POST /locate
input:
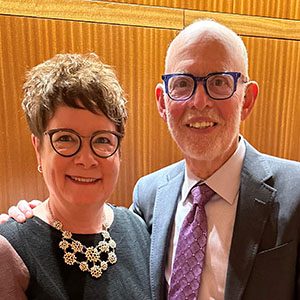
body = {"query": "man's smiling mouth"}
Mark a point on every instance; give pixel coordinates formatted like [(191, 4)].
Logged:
[(201, 125)]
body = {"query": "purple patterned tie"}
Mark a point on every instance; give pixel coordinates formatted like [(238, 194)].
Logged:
[(190, 251)]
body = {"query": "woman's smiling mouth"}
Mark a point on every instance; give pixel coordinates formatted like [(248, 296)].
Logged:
[(83, 179)]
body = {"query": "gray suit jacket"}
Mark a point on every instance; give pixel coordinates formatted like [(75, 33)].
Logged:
[(264, 260)]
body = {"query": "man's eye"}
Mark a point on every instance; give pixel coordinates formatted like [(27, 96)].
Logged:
[(181, 83), (220, 81)]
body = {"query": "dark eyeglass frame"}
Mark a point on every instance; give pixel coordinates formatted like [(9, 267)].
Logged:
[(51, 132), (234, 75)]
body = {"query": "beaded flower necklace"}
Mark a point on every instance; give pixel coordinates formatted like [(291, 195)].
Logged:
[(96, 259)]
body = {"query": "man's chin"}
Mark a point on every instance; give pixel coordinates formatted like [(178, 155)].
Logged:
[(207, 151)]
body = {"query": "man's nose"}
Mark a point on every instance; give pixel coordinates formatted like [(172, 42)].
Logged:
[(200, 100)]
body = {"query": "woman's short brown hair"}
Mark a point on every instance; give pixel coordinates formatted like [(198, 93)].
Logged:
[(67, 78)]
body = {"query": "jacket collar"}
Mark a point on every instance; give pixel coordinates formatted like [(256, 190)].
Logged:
[(254, 206), (163, 218)]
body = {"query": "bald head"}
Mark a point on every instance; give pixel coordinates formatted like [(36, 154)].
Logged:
[(203, 35)]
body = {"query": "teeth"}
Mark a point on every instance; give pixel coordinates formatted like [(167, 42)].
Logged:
[(80, 179), (201, 125)]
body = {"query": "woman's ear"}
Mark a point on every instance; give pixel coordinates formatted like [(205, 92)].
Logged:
[(36, 146), (250, 97), (160, 100)]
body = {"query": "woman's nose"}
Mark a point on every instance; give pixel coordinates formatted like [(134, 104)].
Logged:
[(86, 156)]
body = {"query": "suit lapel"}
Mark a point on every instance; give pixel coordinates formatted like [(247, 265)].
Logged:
[(163, 217), (254, 206)]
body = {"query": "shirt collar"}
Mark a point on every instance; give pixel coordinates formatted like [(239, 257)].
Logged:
[(225, 181)]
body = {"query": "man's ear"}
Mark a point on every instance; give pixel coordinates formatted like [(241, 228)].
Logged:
[(160, 101), (36, 146), (250, 97)]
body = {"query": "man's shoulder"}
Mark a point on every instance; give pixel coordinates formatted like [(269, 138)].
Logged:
[(273, 162), (281, 167), (169, 171), (265, 166), (153, 181), (281, 161)]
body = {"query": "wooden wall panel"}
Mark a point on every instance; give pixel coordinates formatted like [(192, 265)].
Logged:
[(285, 9), (148, 12), (211, 5), (138, 56), (274, 125), (250, 25), (96, 11)]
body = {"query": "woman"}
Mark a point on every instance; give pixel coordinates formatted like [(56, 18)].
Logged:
[(76, 246)]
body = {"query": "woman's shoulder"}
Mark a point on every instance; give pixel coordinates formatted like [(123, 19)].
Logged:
[(16, 232), (10, 228), (125, 220), (126, 215)]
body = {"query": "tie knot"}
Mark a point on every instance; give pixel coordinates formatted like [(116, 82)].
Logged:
[(201, 194)]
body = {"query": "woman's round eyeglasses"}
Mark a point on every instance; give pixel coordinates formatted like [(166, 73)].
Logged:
[(67, 142)]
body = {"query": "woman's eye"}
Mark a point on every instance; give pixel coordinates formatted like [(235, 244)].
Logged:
[(102, 140), (65, 138)]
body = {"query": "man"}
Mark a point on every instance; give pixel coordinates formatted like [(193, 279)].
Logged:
[(253, 217)]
